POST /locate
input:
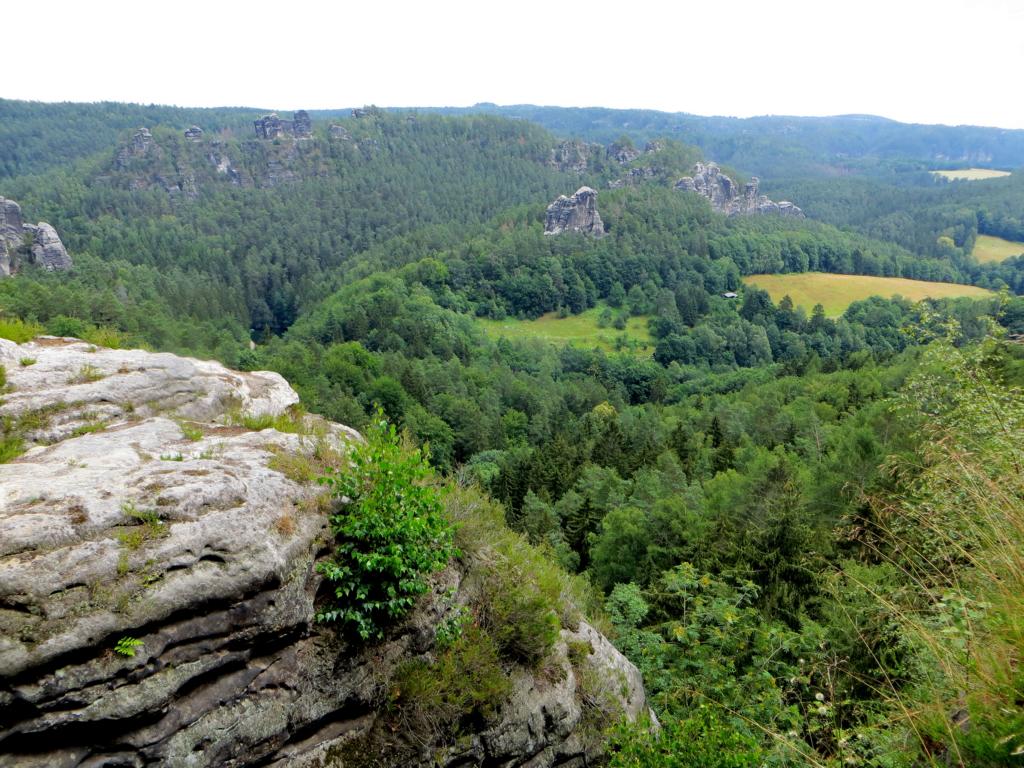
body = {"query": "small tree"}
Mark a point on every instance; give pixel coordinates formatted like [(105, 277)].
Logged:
[(391, 534)]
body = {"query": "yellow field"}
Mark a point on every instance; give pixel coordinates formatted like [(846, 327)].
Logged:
[(580, 330), (837, 292), (992, 250), (972, 174)]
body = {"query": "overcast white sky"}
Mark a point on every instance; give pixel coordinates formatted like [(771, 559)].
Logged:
[(933, 61)]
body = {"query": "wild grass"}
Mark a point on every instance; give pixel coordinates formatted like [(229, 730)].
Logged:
[(837, 292), (19, 331)]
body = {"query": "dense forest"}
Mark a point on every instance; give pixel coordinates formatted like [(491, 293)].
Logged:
[(805, 529)]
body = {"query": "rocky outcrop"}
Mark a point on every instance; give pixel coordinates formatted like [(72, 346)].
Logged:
[(709, 181), (194, 133), (20, 243), (573, 156), (272, 127), (623, 152), (339, 132), (574, 214), (152, 506), (139, 146)]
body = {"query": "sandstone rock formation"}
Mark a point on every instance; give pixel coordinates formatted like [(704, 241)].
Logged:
[(271, 126), (195, 133), (32, 243), (574, 156), (143, 509), (574, 214), (623, 153), (339, 132), (709, 181), (140, 145)]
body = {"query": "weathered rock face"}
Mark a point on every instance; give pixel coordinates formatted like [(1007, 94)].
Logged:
[(623, 153), (340, 132), (140, 512), (194, 133), (574, 214), (33, 243), (709, 181), (271, 126), (574, 156), (140, 145)]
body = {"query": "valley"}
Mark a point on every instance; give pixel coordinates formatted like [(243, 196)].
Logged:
[(487, 436)]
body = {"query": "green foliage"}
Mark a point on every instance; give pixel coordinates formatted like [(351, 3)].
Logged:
[(126, 646), (18, 330), (463, 684), (390, 536), (705, 739)]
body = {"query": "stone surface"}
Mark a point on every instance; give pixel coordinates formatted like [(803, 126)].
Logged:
[(32, 243), (709, 181), (194, 133), (623, 153), (139, 511), (271, 126), (574, 214)]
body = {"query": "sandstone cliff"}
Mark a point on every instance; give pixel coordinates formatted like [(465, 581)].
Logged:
[(709, 181), (574, 214), (155, 503), (32, 243)]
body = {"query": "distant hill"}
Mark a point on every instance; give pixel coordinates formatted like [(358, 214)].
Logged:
[(776, 146)]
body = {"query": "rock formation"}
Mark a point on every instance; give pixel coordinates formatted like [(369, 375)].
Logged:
[(195, 133), (144, 511), (339, 132), (272, 127), (709, 181), (574, 214), (139, 146), (573, 155), (36, 244), (623, 153)]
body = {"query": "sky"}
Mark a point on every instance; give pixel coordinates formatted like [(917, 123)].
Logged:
[(926, 61)]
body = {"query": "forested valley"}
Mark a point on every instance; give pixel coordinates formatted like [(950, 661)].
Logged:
[(805, 528)]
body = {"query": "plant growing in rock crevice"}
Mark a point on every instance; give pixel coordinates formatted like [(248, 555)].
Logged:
[(390, 537)]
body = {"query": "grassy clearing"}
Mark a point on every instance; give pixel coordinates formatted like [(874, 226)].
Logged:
[(971, 174), (992, 250), (581, 330), (837, 292)]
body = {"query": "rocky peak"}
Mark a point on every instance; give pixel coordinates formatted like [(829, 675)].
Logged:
[(152, 506), (574, 214), (194, 133), (709, 181), (37, 244), (623, 152), (573, 156), (137, 147)]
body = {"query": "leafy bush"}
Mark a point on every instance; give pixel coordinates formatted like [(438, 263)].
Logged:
[(465, 681), (704, 739), (390, 536)]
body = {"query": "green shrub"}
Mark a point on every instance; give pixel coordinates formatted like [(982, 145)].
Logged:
[(703, 739), (465, 682), (18, 330), (390, 536)]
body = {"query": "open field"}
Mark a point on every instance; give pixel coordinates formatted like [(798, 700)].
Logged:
[(581, 330), (992, 250), (971, 174), (837, 292)]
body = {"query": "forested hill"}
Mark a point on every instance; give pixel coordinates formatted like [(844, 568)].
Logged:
[(779, 146), (789, 513)]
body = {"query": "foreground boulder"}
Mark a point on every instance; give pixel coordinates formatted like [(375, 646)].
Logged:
[(721, 191), (158, 542), (21, 243), (574, 214)]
